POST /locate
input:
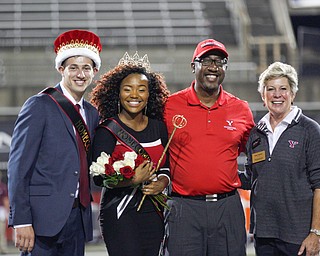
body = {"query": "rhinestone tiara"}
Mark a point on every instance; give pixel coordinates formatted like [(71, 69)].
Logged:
[(135, 60)]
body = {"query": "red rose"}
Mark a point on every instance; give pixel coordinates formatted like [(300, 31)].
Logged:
[(109, 171), (139, 160), (127, 172), (116, 156)]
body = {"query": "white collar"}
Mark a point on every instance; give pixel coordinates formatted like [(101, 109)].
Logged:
[(68, 95), (286, 121)]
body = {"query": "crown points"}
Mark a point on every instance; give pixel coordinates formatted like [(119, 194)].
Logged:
[(135, 60)]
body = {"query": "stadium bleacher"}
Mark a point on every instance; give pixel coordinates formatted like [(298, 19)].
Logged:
[(168, 30)]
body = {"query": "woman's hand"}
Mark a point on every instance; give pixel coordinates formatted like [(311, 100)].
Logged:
[(143, 173), (156, 185)]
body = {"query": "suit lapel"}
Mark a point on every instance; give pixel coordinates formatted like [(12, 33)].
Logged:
[(89, 118), (67, 120)]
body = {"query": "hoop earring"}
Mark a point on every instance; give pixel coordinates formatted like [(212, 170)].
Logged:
[(145, 110), (119, 107)]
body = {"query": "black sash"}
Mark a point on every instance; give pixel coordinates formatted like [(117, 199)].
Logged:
[(69, 109), (125, 138), (129, 141)]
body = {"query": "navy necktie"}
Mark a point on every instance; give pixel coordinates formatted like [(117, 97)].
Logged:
[(84, 191)]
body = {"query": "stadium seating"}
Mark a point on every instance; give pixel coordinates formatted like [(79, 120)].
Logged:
[(167, 30)]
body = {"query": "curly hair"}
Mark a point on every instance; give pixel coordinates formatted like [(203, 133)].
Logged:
[(105, 96)]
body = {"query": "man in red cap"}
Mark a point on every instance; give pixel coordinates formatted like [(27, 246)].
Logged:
[(207, 216), (48, 178)]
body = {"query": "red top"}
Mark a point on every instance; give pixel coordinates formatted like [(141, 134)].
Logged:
[(203, 154)]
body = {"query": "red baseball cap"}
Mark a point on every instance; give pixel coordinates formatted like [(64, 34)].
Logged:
[(209, 45), (77, 42)]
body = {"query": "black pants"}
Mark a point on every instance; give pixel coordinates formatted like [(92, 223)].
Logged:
[(275, 247)]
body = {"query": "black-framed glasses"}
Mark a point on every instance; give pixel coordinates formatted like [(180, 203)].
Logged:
[(220, 63)]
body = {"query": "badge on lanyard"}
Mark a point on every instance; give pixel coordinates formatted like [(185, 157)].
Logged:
[(258, 156)]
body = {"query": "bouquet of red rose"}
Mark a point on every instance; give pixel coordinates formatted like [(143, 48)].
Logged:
[(116, 168)]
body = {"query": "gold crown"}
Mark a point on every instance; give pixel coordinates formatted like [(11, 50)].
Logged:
[(78, 44), (136, 60)]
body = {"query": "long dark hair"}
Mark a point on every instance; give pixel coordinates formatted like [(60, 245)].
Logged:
[(105, 96)]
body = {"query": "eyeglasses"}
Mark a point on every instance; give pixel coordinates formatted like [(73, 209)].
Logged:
[(220, 63)]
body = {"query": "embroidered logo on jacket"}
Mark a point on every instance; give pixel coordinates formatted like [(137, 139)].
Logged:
[(229, 126), (292, 143)]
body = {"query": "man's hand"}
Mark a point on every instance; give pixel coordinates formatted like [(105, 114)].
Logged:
[(24, 238), (311, 245)]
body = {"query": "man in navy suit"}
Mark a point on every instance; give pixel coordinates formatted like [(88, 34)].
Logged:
[(44, 166)]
